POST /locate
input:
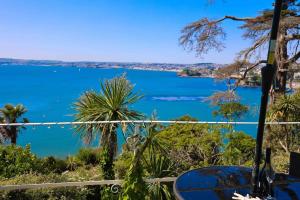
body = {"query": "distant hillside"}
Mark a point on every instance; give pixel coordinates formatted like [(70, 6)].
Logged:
[(92, 64)]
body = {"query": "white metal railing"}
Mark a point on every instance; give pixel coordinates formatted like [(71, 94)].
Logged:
[(143, 121)]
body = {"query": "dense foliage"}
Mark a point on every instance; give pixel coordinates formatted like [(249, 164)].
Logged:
[(152, 153), (89, 156), (231, 110), (191, 146), (15, 160), (76, 193), (19, 166), (284, 139), (239, 150)]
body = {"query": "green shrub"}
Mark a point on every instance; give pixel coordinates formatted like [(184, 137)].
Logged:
[(15, 160), (122, 164), (88, 156), (91, 192), (72, 163), (52, 194), (85, 174), (51, 164), (280, 162)]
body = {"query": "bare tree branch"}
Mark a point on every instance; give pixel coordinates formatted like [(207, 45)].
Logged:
[(294, 58), (238, 18), (292, 37), (248, 68), (259, 43), (223, 96), (204, 35), (252, 67)]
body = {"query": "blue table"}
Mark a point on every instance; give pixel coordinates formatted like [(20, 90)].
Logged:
[(220, 182)]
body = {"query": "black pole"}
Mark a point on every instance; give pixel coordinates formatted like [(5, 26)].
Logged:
[(267, 73)]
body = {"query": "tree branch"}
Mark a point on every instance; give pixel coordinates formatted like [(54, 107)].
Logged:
[(200, 22), (253, 66), (294, 58), (283, 146), (246, 72), (260, 42), (238, 18), (205, 35), (292, 37)]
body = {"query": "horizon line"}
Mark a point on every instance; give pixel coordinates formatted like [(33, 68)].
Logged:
[(91, 61)]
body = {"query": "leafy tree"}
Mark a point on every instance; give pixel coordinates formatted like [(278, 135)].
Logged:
[(239, 150), (12, 114), (231, 110), (206, 34), (110, 104), (192, 145)]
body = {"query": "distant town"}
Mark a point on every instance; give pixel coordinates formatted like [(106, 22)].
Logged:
[(205, 67), (183, 70)]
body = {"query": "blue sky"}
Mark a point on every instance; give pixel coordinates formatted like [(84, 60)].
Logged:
[(115, 30)]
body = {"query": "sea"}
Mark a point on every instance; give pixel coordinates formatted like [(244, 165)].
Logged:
[(49, 93)]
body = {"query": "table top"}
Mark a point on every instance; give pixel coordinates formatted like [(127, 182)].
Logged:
[(220, 182)]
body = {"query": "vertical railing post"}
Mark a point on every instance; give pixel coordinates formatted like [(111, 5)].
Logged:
[(267, 73)]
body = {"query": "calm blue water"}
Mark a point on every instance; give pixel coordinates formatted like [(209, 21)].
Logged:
[(49, 92)]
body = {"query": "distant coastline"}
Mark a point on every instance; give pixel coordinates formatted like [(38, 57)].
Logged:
[(196, 70), (168, 67)]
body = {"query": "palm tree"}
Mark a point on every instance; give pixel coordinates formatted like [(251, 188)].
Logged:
[(11, 114), (110, 104)]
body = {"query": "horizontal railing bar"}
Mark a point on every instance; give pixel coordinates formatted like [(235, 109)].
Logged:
[(141, 121), (79, 184)]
